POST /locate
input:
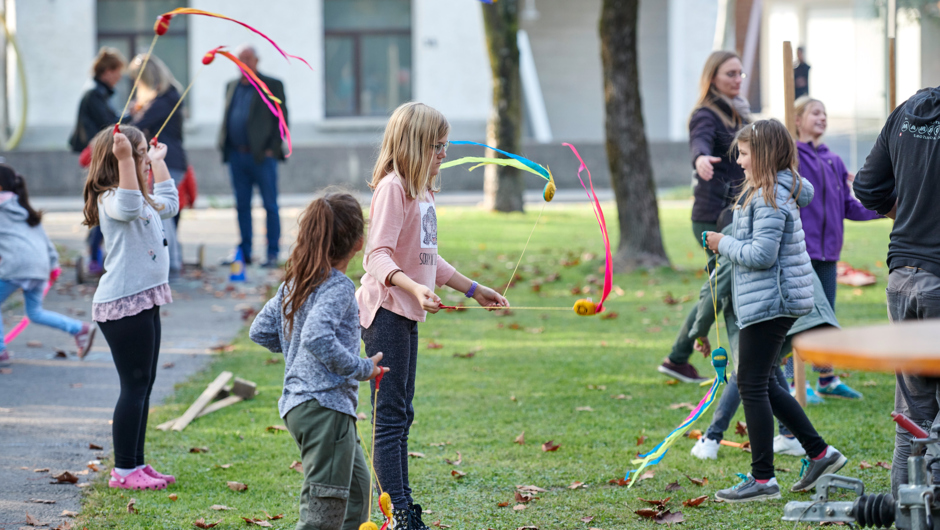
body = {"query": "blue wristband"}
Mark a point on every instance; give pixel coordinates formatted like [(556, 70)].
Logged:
[(472, 289)]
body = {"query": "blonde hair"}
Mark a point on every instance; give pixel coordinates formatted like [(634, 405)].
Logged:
[(772, 150), (709, 95), (408, 148), (156, 76), (802, 104), (108, 58), (103, 171)]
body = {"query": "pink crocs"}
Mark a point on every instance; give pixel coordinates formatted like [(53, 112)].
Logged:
[(138, 480), (169, 479)]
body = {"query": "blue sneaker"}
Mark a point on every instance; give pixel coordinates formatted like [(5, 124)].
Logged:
[(812, 398), (838, 389)]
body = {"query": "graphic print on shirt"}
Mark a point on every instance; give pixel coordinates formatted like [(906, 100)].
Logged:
[(428, 225), (930, 131), (152, 255)]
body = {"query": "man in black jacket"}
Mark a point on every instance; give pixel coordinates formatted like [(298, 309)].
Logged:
[(899, 180), (94, 114), (250, 141)]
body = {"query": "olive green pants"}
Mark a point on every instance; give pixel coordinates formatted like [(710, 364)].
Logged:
[(335, 494)]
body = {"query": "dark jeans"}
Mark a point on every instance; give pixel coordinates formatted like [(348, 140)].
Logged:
[(246, 174), (336, 476), (913, 294), (729, 403), (397, 337), (764, 399), (135, 347), (826, 270)]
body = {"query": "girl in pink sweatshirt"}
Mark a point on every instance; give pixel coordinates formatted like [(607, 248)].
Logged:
[(403, 268)]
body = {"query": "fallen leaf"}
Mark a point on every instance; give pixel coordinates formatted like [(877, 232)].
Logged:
[(519, 507), (512, 398), (273, 517), (41, 501), (864, 465), (576, 484), (550, 446), (257, 522), (225, 466), (647, 512), (64, 526), (609, 315), (669, 518), (746, 447), (168, 365), (783, 469), (694, 434), (66, 478), (514, 325), (468, 355), (584, 409), (272, 360), (619, 482), (696, 501), (621, 396), (886, 465), (33, 344), (439, 524), (223, 348), (520, 439), (92, 466), (740, 429), (201, 523), (435, 345), (68, 513), (41, 470), (236, 486), (439, 444), (587, 519), (527, 528), (661, 503), (641, 439), (172, 497), (669, 299), (198, 449), (523, 498), (220, 507), (671, 382), (361, 416), (130, 506), (673, 486), (457, 473), (454, 462), (276, 428), (685, 405), (502, 504), (698, 481), (60, 354), (95, 447), (82, 473), (530, 489), (32, 521), (414, 454)]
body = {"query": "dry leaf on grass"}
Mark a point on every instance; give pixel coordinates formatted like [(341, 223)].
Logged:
[(502, 504), (220, 507), (696, 501), (530, 489), (273, 517), (520, 439), (439, 524), (783, 469), (886, 465), (550, 446), (172, 497), (414, 454), (296, 466), (201, 523), (130, 506), (576, 484), (683, 405), (519, 507), (646, 475), (740, 429), (453, 462), (620, 396), (647, 512), (661, 503), (435, 345), (698, 481), (584, 409), (272, 360), (523, 498), (65, 478), (362, 416), (671, 382), (276, 428), (68, 513), (587, 519), (457, 473), (224, 466), (32, 521), (673, 486), (95, 447), (64, 526), (237, 486), (668, 517), (257, 522), (619, 482), (864, 465), (92, 466), (641, 439), (198, 449)]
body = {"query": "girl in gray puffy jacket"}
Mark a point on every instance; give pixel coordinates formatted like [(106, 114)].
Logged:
[(771, 286)]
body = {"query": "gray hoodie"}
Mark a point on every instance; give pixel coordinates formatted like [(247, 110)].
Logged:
[(25, 251), (321, 354)]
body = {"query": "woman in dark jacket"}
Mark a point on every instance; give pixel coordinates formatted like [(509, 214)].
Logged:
[(157, 94), (719, 114)]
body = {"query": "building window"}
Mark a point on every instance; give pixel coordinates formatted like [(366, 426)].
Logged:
[(128, 26), (367, 46)]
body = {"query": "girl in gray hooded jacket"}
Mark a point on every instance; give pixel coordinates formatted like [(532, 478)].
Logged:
[(771, 286)]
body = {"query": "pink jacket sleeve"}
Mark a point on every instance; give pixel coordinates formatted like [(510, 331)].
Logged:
[(444, 271), (385, 222)]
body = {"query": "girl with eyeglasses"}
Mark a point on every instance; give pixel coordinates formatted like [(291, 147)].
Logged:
[(402, 269)]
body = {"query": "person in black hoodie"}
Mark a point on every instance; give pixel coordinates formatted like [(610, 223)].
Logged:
[(720, 113), (157, 94), (899, 180), (94, 114)]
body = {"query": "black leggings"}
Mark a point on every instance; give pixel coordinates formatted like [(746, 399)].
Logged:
[(758, 347), (135, 347)]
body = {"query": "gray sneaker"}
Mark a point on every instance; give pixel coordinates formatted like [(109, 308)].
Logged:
[(814, 469), (750, 490)]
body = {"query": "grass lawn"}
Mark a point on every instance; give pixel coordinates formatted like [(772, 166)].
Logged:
[(532, 371)]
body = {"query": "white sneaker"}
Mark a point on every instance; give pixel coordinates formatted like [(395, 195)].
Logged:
[(788, 446), (706, 448)]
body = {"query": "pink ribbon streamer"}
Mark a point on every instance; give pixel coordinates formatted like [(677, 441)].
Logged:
[(25, 322)]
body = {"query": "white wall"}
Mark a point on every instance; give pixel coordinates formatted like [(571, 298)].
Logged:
[(57, 40), (691, 35)]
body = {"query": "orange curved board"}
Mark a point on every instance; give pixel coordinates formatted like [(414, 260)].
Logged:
[(910, 347)]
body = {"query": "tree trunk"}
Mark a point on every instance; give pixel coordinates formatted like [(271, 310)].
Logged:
[(631, 174), (503, 186)]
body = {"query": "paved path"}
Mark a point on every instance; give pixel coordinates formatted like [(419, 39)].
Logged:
[(52, 408)]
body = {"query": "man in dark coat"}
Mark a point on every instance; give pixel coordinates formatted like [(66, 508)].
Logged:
[(250, 142), (94, 114)]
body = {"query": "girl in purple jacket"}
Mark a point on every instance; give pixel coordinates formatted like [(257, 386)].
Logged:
[(823, 218)]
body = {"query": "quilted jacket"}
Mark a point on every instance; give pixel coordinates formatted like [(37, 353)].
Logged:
[(773, 276)]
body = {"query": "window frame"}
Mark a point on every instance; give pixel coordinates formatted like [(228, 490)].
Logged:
[(357, 36)]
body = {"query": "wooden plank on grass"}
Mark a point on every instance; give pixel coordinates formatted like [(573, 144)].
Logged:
[(210, 408), (207, 395)]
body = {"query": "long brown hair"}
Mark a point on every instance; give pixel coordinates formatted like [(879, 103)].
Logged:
[(708, 95), (10, 180), (772, 150), (103, 170), (330, 227), (408, 148)]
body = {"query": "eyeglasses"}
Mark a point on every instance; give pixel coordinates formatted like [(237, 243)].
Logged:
[(440, 148), (734, 74)]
